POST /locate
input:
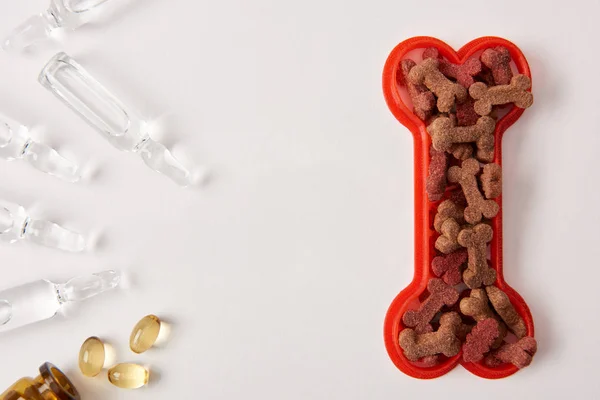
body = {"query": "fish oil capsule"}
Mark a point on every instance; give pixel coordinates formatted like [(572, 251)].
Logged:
[(128, 376), (92, 356), (144, 334)]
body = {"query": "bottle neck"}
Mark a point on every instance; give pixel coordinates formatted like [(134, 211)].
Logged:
[(51, 384), (54, 385), (35, 29)]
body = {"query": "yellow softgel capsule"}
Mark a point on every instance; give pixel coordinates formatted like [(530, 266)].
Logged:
[(91, 356), (144, 334), (128, 376)]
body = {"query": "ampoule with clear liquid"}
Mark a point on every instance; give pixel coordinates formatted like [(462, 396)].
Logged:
[(69, 14), (121, 126), (16, 224), (43, 299), (16, 144)]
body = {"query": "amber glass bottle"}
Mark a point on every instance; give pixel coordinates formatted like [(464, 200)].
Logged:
[(51, 384)]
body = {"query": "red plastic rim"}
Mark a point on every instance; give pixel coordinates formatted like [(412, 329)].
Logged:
[(424, 209)]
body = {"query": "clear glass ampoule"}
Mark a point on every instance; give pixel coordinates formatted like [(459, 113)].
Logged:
[(68, 14), (121, 126), (15, 143), (40, 300), (16, 224)]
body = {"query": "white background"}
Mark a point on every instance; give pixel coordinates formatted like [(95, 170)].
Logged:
[(278, 274)]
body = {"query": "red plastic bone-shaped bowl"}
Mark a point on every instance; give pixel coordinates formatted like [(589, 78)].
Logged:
[(425, 210)]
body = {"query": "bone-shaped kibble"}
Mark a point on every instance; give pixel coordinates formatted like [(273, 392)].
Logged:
[(440, 295), (480, 340), (460, 151), (519, 354), (478, 206), (498, 61), (447, 242), (448, 267), (491, 180), (435, 186), (515, 92), (475, 240), (447, 209), (443, 341), (423, 100), (444, 134), (506, 311), (463, 73), (476, 306), (427, 73)]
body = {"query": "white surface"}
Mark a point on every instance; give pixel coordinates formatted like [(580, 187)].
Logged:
[(278, 274)]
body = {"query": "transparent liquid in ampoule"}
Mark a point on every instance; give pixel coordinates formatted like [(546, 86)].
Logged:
[(87, 97), (29, 303), (42, 299), (122, 127)]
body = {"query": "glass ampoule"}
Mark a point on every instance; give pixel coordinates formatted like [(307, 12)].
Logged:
[(69, 14), (43, 299), (16, 224), (16, 144), (50, 384), (122, 127)]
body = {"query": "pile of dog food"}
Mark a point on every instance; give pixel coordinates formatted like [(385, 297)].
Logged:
[(460, 105)]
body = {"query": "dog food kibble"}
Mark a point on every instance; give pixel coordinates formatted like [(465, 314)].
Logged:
[(91, 357), (506, 311), (447, 242), (478, 207), (491, 180), (459, 105), (128, 376), (447, 92), (449, 267), (475, 240), (423, 100), (519, 354), (480, 340), (447, 209), (440, 295), (477, 307), (498, 62), (443, 341), (463, 73), (444, 133), (144, 334), (436, 180), (514, 92)]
